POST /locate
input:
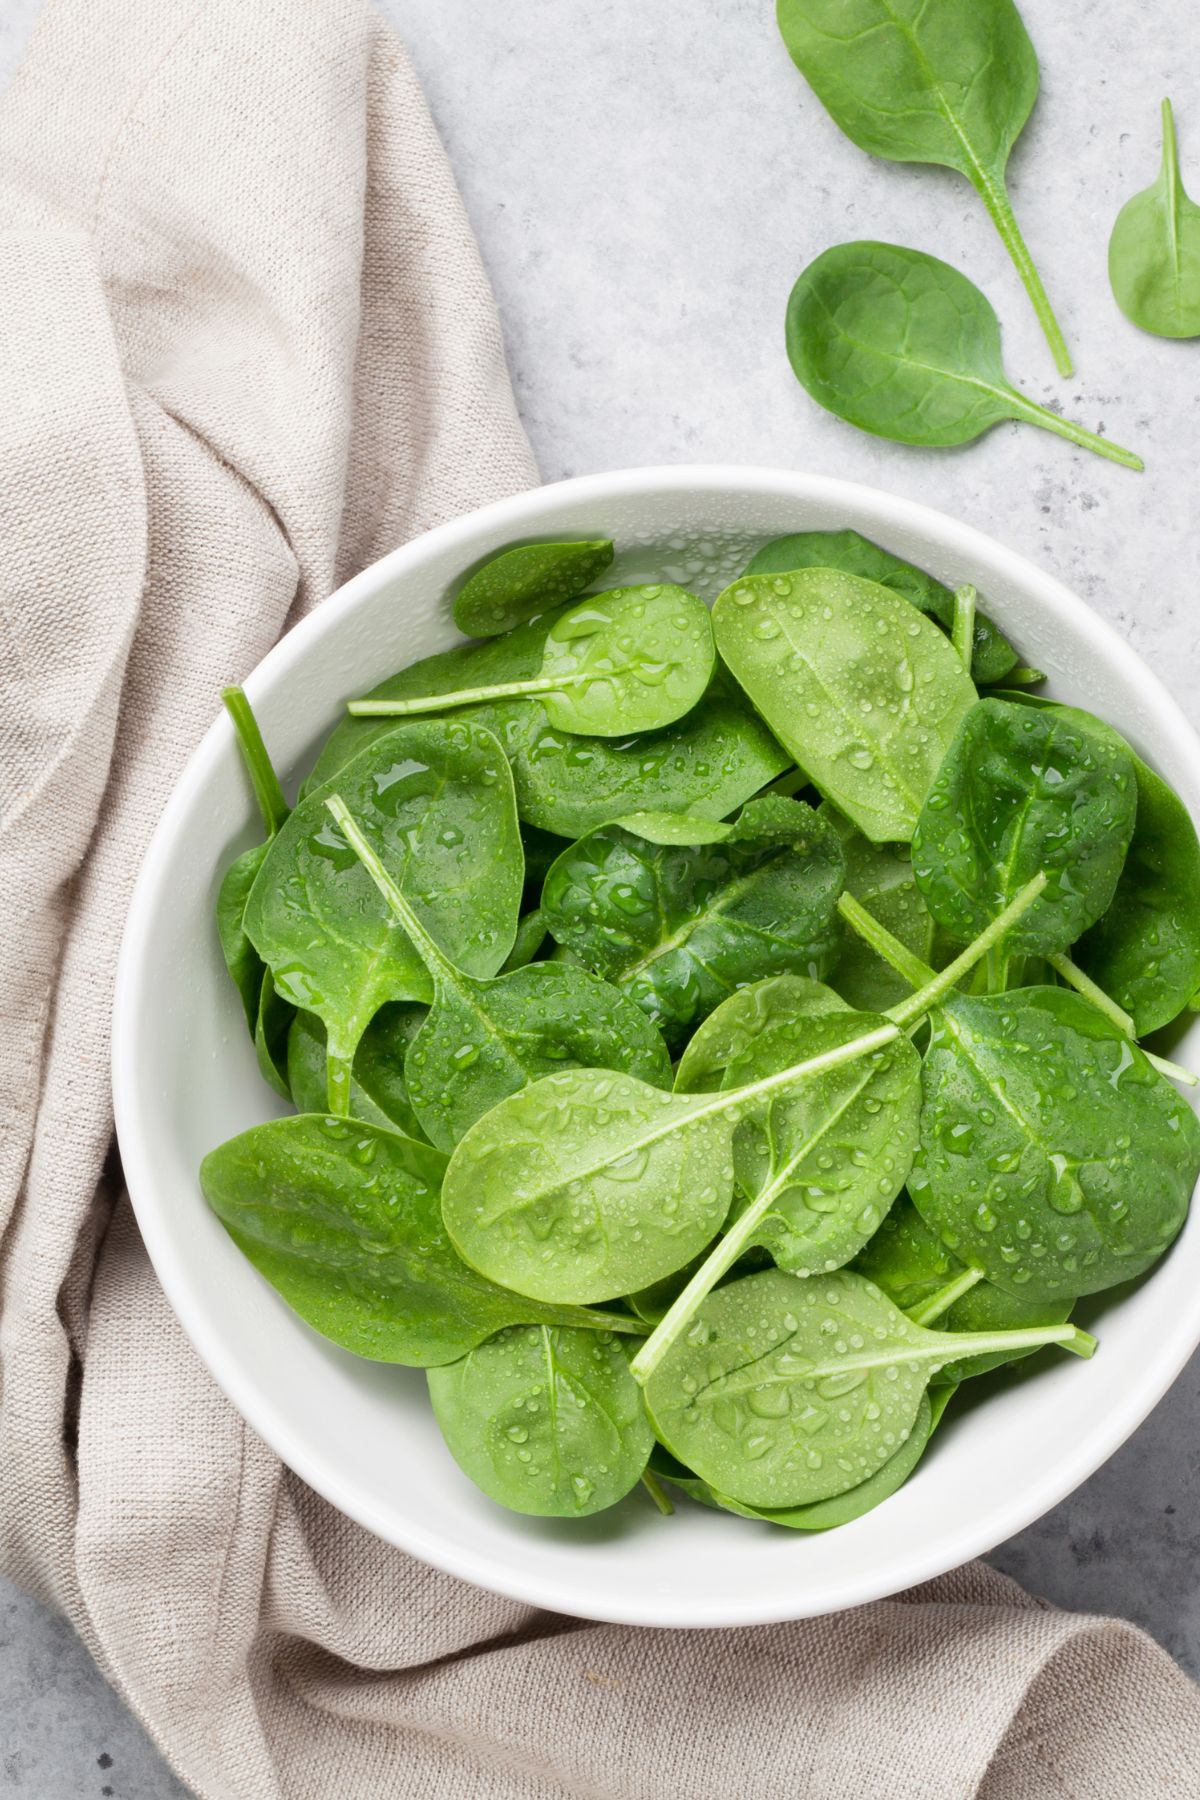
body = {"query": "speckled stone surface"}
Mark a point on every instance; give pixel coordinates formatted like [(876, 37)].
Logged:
[(646, 182)]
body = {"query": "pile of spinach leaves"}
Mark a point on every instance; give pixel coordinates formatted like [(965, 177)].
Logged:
[(703, 1070)]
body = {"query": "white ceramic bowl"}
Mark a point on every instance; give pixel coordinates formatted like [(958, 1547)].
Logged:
[(363, 1434)]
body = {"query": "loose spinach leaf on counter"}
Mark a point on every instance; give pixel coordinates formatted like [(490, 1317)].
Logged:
[(378, 1094), (1052, 1156), (436, 802), (525, 580), (632, 659), (1021, 789), (992, 656), (1154, 251), (546, 1420), (901, 345), (930, 81), (862, 689), (342, 1218), (483, 1040), (678, 924), (708, 763), (753, 1398)]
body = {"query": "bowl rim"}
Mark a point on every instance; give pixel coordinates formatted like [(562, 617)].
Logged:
[(529, 508)]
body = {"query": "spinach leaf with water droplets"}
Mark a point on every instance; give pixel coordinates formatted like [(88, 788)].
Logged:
[(525, 580), (632, 659), (436, 802), (743, 1018), (342, 1218), (992, 656), (862, 689), (678, 925), (930, 81), (789, 1392), (546, 1420), (880, 877), (483, 1040), (1052, 1156), (1024, 789), (901, 345), (378, 1094), (1154, 251)]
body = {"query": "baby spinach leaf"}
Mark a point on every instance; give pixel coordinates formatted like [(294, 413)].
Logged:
[(992, 656), (271, 1028), (1052, 1156), (863, 690), (588, 1185), (930, 81), (1154, 251), (378, 1094), (1022, 789), (531, 935), (242, 960), (1145, 950), (743, 1018), (817, 1167), (903, 346), (525, 580), (632, 659), (483, 1040), (678, 924), (436, 802), (342, 1218), (910, 1263), (788, 1392), (545, 1419), (708, 763)]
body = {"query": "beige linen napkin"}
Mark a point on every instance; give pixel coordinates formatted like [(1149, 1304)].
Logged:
[(246, 348)]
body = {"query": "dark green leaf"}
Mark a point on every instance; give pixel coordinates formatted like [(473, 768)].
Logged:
[(378, 1094)]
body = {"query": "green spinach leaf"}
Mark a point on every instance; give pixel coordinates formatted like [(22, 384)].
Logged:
[(245, 966), (880, 877), (1021, 789), (1154, 251), (525, 580), (1052, 1156), (992, 656), (378, 1094), (788, 1392), (546, 1420), (342, 1218), (436, 802), (862, 689), (678, 925), (632, 659), (743, 1018), (901, 345), (483, 1040), (930, 81)]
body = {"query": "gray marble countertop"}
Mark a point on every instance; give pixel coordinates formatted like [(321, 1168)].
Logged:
[(646, 182)]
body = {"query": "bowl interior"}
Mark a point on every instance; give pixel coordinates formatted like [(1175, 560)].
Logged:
[(363, 1434)]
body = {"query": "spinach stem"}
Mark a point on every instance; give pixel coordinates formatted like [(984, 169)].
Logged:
[(430, 953), (1104, 1003), (338, 1070), (944, 1299), (929, 996), (502, 690), (997, 970), (963, 634), (905, 962), (1022, 677), (995, 198), (657, 1493), (267, 791), (1083, 984), (1075, 434)]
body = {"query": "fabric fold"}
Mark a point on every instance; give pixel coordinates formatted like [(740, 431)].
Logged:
[(249, 347)]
